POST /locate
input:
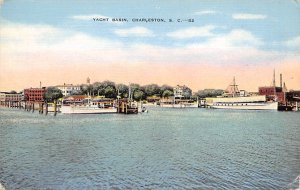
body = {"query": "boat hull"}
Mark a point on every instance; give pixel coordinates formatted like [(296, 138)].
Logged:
[(86, 110), (248, 106), (179, 105)]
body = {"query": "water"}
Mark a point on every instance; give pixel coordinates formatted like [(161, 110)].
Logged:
[(162, 149)]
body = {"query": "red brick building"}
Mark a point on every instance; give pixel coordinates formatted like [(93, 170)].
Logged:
[(273, 93), (34, 94)]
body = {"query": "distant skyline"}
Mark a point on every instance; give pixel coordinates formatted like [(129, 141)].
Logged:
[(59, 42)]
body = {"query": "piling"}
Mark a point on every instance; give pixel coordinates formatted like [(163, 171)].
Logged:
[(55, 109), (42, 108), (46, 108)]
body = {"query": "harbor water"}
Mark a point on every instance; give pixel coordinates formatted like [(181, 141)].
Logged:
[(162, 149)]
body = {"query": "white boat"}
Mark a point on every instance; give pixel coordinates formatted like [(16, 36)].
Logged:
[(86, 109), (232, 99), (91, 107), (242, 103), (180, 105)]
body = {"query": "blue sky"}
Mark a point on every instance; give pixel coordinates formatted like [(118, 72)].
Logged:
[(279, 21), (245, 35)]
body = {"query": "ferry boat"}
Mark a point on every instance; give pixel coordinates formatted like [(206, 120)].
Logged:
[(233, 99), (92, 107)]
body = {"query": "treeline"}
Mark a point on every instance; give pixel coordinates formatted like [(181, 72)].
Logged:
[(209, 93), (110, 89)]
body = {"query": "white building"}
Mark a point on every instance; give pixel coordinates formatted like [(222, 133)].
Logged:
[(9, 97), (178, 91), (182, 92), (68, 89)]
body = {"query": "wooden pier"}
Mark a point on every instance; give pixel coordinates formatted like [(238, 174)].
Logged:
[(30, 106), (127, 107)]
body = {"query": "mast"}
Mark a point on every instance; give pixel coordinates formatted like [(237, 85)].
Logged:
[(234, 86), (129, 92)]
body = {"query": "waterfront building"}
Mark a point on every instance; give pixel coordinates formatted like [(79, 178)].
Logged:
[(10, 97), (34, 94), (181, 92), (273, 93), (68, 89), (2, 96)]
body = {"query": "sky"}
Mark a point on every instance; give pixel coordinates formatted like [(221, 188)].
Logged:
[(207, 43)]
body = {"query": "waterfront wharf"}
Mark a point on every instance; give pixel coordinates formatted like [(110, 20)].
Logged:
[(126, 106), (31, 106)]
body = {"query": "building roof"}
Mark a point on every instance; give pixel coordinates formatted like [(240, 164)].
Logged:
[(75, 97), (66, 85)]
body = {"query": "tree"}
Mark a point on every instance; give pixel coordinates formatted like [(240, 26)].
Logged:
[(167, 93), (123, 90), (106, 88), (138, 95), (187, 92), (52, 93), (110, 92), (13, 92), (152, 89), (86, 89), (209, 93), (77, 92)]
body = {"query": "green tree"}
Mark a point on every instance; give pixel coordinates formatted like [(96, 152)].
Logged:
[(167, 93), (52, 93), (86, 89), (152, 89), (123, 90), (138, 95), (77, 92), (209, 93), (187, 92), (110, 92), (166, 87), (106, 88)]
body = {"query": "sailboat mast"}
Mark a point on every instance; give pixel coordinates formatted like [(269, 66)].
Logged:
[(234, 87), (129, 92)]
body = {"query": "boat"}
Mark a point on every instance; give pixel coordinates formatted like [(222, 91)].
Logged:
[(92, 107), (234, 99), (179, 104)]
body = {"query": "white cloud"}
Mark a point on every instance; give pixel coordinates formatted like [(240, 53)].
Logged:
[(25, 32), (293, 43), (54, 47), (135, 31), (192, 32), (238, 38), (246, 16), (206, 12)]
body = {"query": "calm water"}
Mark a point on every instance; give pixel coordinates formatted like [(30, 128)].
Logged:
[(163, 149)]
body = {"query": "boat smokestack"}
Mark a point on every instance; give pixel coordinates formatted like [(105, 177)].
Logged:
[(280, 80), (274, 82)]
